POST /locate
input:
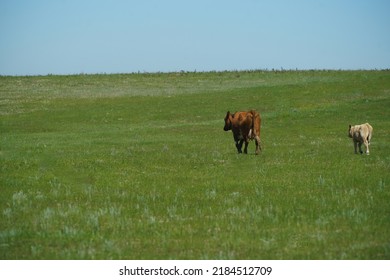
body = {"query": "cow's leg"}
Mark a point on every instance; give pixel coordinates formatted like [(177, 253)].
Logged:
[(246, 146), (241, 142), (239, 146), (237, 141)]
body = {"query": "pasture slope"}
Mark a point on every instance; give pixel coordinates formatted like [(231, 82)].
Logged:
[(138, 166)]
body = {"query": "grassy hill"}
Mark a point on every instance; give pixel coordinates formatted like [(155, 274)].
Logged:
[(138, 166)]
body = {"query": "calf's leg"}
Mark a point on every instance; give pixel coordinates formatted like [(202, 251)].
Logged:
[(355, 146), (366, 143), (360, 148)]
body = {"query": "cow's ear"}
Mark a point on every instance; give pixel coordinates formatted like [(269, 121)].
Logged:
[(350, 126)]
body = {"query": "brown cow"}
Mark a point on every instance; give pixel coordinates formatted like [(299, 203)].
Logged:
[(245, 126)]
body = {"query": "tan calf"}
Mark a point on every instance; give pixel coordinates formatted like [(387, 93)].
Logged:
[(361, 134)]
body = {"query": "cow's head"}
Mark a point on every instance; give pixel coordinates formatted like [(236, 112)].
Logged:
[(228, 121)]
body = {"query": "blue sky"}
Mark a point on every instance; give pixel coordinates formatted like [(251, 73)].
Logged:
[(90, 36)]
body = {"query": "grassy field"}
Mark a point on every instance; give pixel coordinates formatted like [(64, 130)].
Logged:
[(138, 166)]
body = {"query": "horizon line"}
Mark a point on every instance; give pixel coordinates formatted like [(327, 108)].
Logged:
[(276, 70)]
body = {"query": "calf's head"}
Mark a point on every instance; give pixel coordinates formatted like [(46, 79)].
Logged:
[(350, 131)]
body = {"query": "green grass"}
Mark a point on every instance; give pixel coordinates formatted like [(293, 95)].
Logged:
[(138, 167)]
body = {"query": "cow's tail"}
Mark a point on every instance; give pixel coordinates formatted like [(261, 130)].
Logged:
[(254, 132), (256, 124)]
